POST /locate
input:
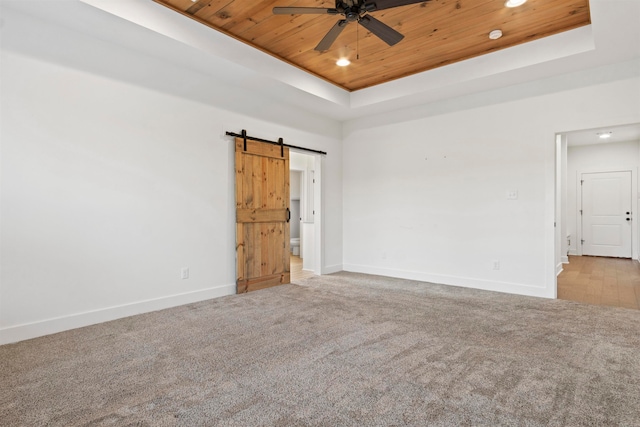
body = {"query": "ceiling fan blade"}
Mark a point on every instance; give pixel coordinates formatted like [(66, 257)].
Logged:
[(385, 32), (331, 36), (304, 11), (372, 5)]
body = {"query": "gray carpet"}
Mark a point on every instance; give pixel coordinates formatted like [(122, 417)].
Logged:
[(340, 350)]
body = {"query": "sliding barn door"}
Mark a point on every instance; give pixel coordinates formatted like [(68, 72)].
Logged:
[(262, 215)]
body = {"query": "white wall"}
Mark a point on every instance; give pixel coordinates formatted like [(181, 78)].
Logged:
[(597, 158), (109, 189), (294, 184), (295, 195), (427, 199)]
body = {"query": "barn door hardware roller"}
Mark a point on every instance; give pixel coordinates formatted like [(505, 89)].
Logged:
[(280, 142)]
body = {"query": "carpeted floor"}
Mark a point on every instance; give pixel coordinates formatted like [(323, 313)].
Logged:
[(340, 350)]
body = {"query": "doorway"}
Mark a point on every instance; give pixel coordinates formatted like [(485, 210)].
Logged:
[(305, 183), (596, 197)]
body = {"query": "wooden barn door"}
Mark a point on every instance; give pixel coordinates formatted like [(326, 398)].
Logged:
[(262, 215)]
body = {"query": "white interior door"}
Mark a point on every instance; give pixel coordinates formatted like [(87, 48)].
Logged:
[(606, 214)]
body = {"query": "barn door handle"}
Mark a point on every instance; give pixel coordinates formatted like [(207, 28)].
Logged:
[(288, 215)]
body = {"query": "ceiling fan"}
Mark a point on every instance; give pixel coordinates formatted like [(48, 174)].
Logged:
[(353, 10)]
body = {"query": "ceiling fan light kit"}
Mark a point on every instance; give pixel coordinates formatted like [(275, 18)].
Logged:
[(353, 11)]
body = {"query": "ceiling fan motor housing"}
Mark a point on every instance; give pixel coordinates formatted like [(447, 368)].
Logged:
[(353, 11)]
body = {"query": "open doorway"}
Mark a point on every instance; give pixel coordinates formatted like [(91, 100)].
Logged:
[(305, 191), (596, 216)]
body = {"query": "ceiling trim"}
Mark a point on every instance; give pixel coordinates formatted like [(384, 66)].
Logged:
[(228, 34), (158, 18), (568, 43), (613, 37)]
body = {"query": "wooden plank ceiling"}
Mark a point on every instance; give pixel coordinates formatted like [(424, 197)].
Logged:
[(437, 33)]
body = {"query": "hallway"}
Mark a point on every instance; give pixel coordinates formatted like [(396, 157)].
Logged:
[(601, 281)]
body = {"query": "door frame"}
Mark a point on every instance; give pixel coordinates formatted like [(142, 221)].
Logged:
[(559, 209), (634, 207)]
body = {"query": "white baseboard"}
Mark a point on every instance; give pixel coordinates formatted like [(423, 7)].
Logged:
[(465, 282), (564, 260), (51, 326), (329, 269), (558, 269), (574, 253)]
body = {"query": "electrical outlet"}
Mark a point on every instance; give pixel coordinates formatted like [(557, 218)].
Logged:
[(384, 255), (496, 265), (184, 273), (512, 194)]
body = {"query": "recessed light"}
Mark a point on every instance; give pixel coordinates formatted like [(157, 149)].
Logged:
[(495, 34), (515, 3), (605, 135), (343, 62)]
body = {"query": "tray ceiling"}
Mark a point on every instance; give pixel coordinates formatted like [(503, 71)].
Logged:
[(437, 33)]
